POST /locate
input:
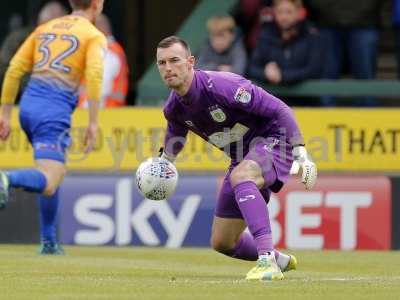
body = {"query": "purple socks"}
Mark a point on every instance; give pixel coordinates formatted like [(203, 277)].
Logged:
[(254, 210), (246, 249)]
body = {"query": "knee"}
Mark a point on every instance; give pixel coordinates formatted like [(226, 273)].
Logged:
[(221, 245), (50, 190), (53, 181), (247, 170), (51, 187)]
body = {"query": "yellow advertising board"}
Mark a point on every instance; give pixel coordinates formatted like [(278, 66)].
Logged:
[(352, 139), (338, 140)]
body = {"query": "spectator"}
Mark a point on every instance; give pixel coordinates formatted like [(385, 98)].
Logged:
[(224, 50), (15, 22), (116, 72), (51, 11), (15, 38), (289, 49), (348, 27), (396, 23), (250, 15)]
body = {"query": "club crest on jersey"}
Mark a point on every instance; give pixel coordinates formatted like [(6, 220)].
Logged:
[(242, 95), (217, 114)]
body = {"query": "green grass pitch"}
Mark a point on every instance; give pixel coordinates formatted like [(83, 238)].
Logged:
[(162, 274)]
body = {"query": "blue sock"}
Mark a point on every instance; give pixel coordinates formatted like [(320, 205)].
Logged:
[(48, 217), (30, 180)]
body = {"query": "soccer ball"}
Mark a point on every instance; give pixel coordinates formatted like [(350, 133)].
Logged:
[(156, 178)]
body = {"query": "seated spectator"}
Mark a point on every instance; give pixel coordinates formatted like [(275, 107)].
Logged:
[(348, 27), (289, 49), (350, 32), (396, 23), (116, 73), (249, 16), (224, 50)]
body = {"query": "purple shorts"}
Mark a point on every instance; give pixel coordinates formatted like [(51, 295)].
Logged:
[(275, 159)]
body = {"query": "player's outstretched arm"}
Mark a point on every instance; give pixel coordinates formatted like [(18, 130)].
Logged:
[(91, 130), (20, 64), (5, 118), (94, 80), (307, 166)]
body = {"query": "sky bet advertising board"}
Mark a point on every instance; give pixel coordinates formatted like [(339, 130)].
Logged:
[(340, 213)]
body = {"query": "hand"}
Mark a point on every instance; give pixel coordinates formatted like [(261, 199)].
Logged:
[(4, 128), (308, 168), (163, 155), (90, 137), (225, 68), (273, 73)]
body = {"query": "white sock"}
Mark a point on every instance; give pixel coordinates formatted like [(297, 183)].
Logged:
[(283, 260)]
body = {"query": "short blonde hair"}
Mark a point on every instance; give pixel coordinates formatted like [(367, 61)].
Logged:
[(297, 3), (218, 24)]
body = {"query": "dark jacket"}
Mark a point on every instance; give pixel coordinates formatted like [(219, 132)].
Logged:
[(396, 12), (345, 13), (235, 56), (299, 58)]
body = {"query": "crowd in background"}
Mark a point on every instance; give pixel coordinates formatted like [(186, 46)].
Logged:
[(289, 41), (279, 42)]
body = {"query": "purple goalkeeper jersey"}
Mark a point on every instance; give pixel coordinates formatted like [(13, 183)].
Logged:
[(229, 112)]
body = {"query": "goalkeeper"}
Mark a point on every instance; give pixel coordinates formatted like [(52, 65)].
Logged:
[(257, 130)]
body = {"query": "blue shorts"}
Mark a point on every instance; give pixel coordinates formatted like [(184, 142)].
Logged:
[(49, 138), (45, 116), (46, 123), (275, 159)]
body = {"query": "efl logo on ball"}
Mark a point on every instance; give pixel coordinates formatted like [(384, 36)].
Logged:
[(156, 178)]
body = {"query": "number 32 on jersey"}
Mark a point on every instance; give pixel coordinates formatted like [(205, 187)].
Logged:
[(55, 60)]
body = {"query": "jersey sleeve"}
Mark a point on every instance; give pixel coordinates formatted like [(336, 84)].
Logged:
[(20, 64), (175, 136), (95, 67), (254, 100)]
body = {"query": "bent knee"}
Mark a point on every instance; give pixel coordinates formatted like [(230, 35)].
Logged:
[(50, 190), (247, 170), (221, 245), (54, 180)]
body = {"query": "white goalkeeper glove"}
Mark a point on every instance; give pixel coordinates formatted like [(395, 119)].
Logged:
[(308, 168), (164, 155)]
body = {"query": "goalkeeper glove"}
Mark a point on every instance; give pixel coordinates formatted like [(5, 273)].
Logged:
[(164, 155), (308, 168)]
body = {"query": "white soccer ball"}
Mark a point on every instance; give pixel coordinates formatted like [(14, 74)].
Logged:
[(156, 178)]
